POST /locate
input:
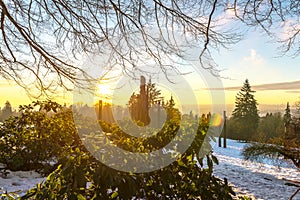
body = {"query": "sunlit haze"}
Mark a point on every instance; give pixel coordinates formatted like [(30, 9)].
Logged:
[(254, 58)]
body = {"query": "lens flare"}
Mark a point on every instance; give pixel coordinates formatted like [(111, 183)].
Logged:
[(216, 120)]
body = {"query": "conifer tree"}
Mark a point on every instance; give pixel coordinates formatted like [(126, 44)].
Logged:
[(287, 117), (6, 112), (245, 114)]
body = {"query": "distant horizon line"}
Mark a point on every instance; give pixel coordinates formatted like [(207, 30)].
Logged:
[(202, 104)]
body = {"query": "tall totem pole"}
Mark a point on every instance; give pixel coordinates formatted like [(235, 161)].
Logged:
[(143, 107)]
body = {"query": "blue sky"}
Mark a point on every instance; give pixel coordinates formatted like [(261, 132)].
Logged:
[(259, 60), (255, 58)]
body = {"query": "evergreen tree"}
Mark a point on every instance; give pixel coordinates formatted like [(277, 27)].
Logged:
[(287, 117), (297, 104), (140, 103), (153, 93), (6, 111), (270, 127), (245, 114), (170, 104)]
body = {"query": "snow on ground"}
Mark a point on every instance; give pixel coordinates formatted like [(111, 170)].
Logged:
[(258, 180), (18, 182)]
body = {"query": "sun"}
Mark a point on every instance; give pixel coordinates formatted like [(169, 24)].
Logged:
[(104, 90)]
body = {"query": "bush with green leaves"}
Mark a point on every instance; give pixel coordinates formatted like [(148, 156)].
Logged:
[(39, 137), (45, 131), (84, 177)]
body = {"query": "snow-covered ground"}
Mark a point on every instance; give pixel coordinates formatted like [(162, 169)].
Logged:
[(18, 182), (258, 180)]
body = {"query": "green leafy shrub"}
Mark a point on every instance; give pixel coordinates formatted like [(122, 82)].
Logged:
[(40, 137), (45, 131), (83, 177)]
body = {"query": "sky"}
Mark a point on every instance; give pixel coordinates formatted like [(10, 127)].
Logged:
[(275, 78)]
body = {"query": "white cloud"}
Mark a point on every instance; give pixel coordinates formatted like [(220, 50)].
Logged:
[(253, 66), (254, 58), (224, 19), (289, 86)]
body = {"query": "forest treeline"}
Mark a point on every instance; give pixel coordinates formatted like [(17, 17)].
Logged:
[(246, 124)]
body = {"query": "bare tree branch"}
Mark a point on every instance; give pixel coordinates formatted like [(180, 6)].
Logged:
[(45, 40), (294, 194)]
